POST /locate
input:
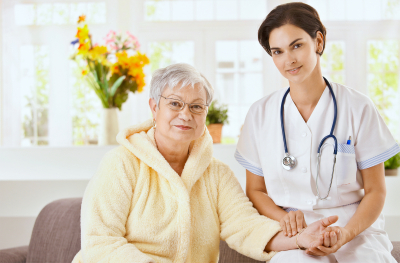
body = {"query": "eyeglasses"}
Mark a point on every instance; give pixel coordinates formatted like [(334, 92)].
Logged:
[(177, 105)]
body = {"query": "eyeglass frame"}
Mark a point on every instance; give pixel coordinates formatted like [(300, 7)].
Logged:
[(185, 103)]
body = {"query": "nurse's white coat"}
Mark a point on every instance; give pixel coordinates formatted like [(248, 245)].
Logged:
[(260, 150)]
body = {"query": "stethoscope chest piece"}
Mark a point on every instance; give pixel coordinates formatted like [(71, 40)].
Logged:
[(288, 162)]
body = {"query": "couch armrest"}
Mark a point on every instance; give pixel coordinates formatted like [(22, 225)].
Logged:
[(14, 255)]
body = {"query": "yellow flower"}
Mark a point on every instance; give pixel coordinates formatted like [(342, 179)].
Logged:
[(98, 53), (84, 72), (83, 48), (83, 34)]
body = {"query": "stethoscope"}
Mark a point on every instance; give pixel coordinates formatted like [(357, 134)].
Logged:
[(289, 162)]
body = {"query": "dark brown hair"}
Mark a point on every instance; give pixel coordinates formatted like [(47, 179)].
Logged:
[(297, 14)]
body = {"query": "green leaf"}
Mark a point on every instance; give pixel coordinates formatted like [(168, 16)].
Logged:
[(116, 85), (217, 114)]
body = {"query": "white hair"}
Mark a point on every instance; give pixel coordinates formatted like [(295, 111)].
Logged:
[(179, 74)]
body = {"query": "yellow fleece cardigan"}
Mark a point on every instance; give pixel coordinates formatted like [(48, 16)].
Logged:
[(136, 208)]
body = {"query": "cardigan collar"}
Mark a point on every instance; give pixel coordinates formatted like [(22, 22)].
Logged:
[(139, 139)]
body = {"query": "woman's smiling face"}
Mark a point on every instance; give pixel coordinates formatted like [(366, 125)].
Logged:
[(181, 126), (294, 52)]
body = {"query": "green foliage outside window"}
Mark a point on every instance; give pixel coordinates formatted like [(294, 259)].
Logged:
[(332, 62), (35, 123), (383, 80)]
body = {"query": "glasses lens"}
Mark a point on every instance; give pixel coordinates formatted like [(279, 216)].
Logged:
[(175, 104), (197, 108)]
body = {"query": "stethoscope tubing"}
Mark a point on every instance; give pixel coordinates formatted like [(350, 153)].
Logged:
[(333, 124), (320, 145)]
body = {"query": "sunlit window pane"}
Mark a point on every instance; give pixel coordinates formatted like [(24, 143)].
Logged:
[(227, 10), (44, 14), (354, 10), (250, 53), (392, 9), (59, 13), (321, 7), (25, 14), (164, 53), (158, 10), (96, 13), (373, 9), (204, 10), (336, 9), (239, 81), (332, 61), (182, 10), (86, 109), (34, 94), (252, 9), (250, 87), (383, 81)]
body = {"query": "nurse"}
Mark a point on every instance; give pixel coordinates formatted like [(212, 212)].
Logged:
[(284, 131)]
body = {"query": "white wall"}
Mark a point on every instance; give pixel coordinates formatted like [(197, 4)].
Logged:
[(30, 178)]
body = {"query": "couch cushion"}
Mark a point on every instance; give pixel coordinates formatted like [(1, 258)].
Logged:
[(396, 250), (56, 233), (14, 255), (228, 255)]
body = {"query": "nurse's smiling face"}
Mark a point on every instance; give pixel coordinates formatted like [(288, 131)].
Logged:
[(294, 52)]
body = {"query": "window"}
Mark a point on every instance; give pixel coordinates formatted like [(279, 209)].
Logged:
[(162, 54), (202, 10), (86, 109), (356, 10), (59, 13), (45, 102), (383, 81), (239, 81), (34, 95), (332, 62)]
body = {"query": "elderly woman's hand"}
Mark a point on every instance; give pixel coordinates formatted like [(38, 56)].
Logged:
[(340, 234), (314, 237)]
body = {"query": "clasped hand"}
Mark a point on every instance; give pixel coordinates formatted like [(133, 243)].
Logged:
[(318, 238)]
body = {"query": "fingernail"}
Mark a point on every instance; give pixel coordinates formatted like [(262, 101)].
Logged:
[(294, 233), (298, 230), (290, 235)]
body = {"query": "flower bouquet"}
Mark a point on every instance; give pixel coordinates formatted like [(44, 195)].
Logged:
[(112, 70)]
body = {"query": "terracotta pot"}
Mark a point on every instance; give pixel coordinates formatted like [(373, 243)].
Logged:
[(391, 172), (215, 131), (109, 127)]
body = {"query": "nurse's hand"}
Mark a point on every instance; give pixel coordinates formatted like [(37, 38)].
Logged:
[(340, 234), (292, 223)]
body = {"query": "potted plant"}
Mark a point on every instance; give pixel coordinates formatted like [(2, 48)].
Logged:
[(217, 116), (392, 165), (112, 71)]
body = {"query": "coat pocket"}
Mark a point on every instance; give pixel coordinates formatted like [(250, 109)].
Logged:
[(346, 165)]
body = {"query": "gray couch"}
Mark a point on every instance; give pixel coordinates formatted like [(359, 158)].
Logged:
[(56, 238)]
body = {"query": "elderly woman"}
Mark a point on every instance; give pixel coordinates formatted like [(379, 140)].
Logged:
[(162, 197)]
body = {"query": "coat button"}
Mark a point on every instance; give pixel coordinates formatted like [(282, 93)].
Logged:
[(304, 169), (304, 134)]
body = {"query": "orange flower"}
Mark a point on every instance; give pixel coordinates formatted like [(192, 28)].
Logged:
[(81, 19)]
